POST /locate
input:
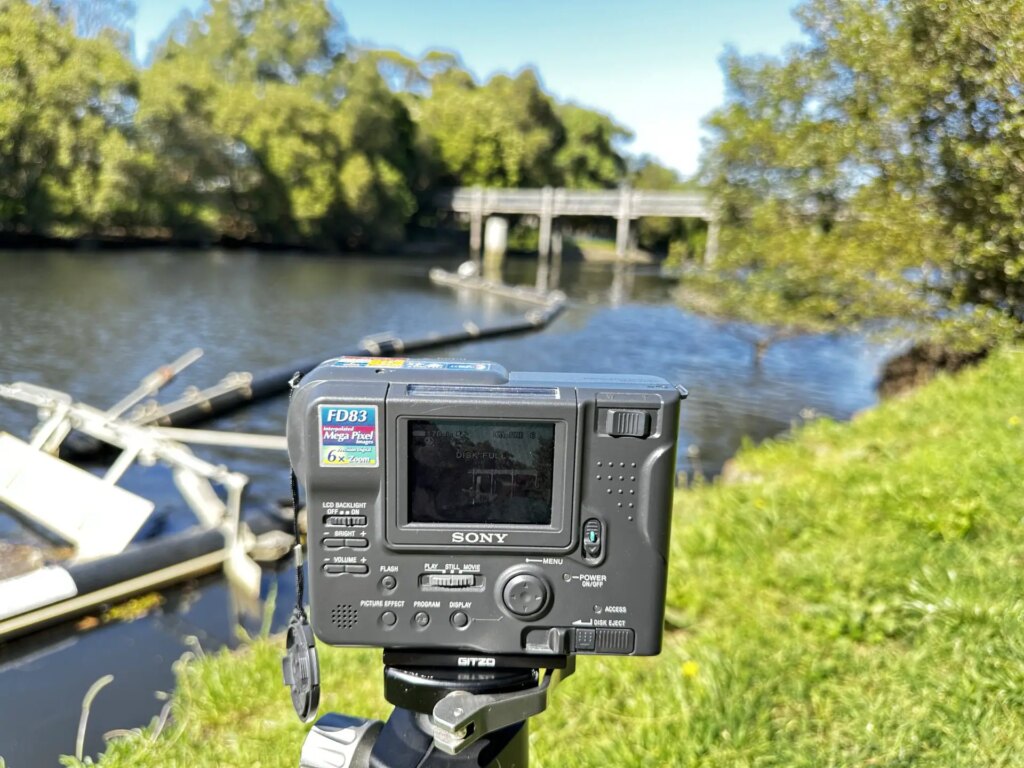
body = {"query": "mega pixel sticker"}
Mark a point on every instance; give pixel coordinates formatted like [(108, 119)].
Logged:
[(348, 436)]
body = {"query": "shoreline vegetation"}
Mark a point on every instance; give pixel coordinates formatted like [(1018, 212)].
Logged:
[(443, 242), (851, 597), (269, 124)]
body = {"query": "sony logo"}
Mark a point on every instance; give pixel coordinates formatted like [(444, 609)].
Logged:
[(472, 537), (470, 661)]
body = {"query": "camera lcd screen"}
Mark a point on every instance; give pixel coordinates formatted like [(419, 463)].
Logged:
[(479, 471)]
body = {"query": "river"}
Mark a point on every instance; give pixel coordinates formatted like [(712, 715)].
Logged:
[(94, 324)]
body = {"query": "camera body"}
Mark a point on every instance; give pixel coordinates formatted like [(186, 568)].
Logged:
[(455, 507)]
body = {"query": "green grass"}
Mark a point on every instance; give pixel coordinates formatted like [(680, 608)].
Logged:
[(856, 599)]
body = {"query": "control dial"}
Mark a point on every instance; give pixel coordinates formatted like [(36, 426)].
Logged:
[(526, 595)]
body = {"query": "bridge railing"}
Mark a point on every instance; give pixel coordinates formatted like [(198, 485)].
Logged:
[(624, 202)]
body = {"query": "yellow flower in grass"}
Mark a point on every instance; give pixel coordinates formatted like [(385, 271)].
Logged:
[(1013, 421), (690, 669)]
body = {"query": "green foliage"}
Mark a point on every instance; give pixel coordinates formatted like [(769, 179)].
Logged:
[(66, 153), (282, 139), (590, 157), (511, 139), (94, 18), (261, 41), (682, 238), (873, 171), (779, 272), (850, 597), (259, 120)]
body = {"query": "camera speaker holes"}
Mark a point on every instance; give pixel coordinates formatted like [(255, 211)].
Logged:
[(344, 616), (617, 485)]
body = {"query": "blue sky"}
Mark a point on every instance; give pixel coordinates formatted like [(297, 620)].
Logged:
[(652, 64)]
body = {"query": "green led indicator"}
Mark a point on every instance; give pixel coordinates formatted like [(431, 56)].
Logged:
[(593, 535)]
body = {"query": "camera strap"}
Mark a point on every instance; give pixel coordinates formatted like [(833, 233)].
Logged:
[(300, 665)]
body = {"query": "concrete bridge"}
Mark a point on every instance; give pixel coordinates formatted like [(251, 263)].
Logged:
[(623, 204)]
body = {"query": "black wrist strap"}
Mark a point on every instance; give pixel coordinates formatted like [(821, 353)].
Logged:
[(300, 665), (300, 582)]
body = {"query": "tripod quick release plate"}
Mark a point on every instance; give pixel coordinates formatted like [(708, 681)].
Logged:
[(461, 718)]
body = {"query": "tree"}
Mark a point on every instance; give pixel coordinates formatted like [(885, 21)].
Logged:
[(237, 103), (680, 238), (276, 134), (504, 133), (971, 132), (66, 154), (591, 156), (95, 18), (257, 120), (380, 171), (872, 172), (263, 41)]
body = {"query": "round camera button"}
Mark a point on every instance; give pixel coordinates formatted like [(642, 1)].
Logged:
[(460, 620), (388, 619), (526, 595), (421, 619)]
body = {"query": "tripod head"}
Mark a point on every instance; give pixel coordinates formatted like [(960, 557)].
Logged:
[(449, 711)]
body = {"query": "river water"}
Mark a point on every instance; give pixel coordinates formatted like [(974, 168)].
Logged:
[(93, 324)]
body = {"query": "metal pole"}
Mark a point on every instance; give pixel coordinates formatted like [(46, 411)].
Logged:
[(147, 582), (227, 439), (156, 380)]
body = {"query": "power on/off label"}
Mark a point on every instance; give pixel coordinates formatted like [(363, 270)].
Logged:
[(348, 435)]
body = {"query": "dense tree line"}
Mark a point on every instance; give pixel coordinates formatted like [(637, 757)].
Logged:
[(876, 170), (259, 120)]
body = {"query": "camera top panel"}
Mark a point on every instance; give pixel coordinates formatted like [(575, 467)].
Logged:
[(427, 370), (406, 369)]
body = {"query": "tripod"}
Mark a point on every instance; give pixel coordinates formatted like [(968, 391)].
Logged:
[(450, 712)]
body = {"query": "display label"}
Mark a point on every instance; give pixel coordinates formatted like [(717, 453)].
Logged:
[(348, 435)]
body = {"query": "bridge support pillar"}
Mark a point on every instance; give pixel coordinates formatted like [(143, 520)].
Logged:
[(476, 228), (495, 245), (622, 238), (622, 225), (476, 225), (546, 211), (547, 206), (711, 247)]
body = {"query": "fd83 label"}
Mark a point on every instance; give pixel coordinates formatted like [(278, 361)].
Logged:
[(348, 435)]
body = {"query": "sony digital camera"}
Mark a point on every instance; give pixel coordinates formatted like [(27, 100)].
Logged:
[(455, 507)]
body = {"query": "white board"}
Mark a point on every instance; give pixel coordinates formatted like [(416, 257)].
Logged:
[(99, 519), (21, 594)]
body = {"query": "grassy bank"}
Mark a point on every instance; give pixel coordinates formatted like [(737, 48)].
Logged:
[(857, 598)]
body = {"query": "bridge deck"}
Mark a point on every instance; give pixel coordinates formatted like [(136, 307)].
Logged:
[(618, 203), (623, 204)]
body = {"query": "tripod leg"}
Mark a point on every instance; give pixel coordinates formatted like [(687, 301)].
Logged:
[(339, 741), (407, 742)]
